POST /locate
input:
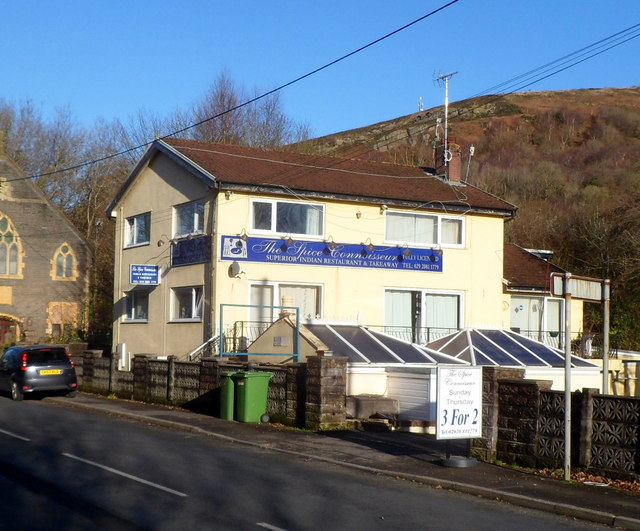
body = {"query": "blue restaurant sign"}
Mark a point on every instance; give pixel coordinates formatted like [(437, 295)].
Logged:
[(144, 274), (300, 252), (196, 250)]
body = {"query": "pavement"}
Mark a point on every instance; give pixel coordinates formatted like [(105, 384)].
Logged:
[(409, 456)]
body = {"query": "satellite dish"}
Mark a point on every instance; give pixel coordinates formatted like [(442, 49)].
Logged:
[(234, 269)]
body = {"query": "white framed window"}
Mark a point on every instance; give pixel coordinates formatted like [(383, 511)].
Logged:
[(137, 230), (424, 229), (421, 316), (307, 297), (189, 218), (137, 305), (540, 318), (287, 217), (186, 303)]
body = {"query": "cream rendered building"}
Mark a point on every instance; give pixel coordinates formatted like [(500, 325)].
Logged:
[(202, 225)]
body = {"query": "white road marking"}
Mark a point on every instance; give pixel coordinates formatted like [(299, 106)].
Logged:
[(128, 476), (269, 526), (14, 435)]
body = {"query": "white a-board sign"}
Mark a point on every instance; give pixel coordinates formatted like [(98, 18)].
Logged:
[(459, 403)]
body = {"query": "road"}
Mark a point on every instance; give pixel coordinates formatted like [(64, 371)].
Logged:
[(63, 469)]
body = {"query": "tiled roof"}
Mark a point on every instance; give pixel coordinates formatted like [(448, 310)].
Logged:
[(525, 270), (321, 174)]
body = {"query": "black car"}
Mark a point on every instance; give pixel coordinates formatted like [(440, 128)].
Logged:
[(35, 369)]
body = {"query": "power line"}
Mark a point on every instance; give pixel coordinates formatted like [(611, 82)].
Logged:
[(561, 60), (253, 100), (531, 81), (528, 78), (542, 72)]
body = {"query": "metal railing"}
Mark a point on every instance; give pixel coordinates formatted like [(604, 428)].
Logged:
[(421, 336), (207, 350), (584, 345), (239, 335)]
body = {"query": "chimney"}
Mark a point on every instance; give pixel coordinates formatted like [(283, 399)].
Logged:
[(455, 164), (452, 171), (287, 301)]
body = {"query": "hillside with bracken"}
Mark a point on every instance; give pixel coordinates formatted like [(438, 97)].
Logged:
[(570, 161)]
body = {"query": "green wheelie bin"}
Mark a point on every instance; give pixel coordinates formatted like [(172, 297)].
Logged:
[(227, 395), (251, 389)]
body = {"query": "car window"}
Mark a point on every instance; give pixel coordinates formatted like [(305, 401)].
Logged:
[(9, 359), (46, 355)]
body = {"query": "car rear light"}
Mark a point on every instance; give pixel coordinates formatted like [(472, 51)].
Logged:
[(74, 385), (23, 366), (70, 359)]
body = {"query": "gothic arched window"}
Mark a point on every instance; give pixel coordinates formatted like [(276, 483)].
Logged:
[(10, 249), (64, 265)]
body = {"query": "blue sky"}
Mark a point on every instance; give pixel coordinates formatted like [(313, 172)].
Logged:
[(109, 59)]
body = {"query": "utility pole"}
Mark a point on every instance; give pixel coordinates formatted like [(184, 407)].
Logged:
[(444, 78), (606, 300), (567, 376)]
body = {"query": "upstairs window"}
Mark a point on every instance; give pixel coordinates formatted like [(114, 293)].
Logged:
[(189, 218), (10, 249), (424, 229), (64, 263), (287, 218), (137, 230)]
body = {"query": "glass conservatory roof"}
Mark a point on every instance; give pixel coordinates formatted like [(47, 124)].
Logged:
[(362, 345), (503, 348)]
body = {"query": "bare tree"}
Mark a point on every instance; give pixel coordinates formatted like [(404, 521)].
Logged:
[(224, 115)]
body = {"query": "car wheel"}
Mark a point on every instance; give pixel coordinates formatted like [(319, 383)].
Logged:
[(16, 392)]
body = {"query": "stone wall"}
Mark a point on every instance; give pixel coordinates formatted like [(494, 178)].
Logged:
[(524, 424), (33, 297), (326, 401), (310, 395), (518, 414), (485, 448)]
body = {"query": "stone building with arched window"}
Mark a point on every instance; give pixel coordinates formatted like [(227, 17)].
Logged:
[(43, 264)]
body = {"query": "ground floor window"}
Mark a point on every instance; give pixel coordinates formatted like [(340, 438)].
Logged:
[(186, 303), (137, 305), (420, 316), (307, 297), (539, 318)]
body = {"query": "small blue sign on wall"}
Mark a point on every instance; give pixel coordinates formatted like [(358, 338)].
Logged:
[(301, 252), (144, 274)]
